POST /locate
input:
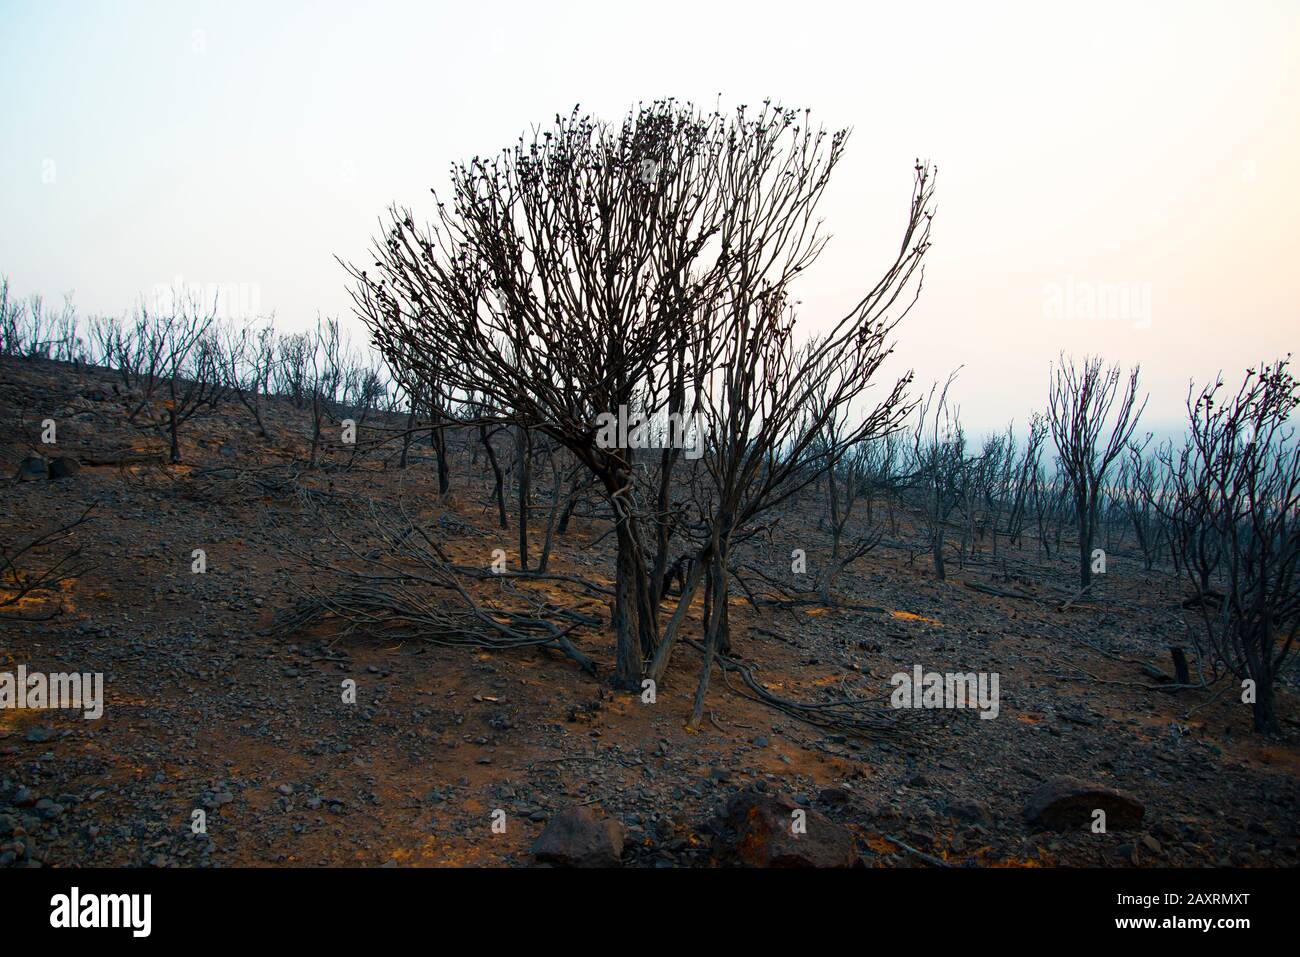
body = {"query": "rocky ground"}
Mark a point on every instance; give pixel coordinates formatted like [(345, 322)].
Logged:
[(207, 707)]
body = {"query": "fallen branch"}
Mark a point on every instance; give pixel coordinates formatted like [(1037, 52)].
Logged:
[(407, 589), (1123, 684), (849, 714), (16, 584), (1077, 595), (122, 459), (1000, 592), (928, 858)]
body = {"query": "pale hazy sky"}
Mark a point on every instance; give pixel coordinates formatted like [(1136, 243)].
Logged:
[(1145, 152)]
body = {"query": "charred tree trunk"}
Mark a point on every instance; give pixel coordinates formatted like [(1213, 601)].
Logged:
[(1182, 674), (497, 477), (174, 427), (1087, 533), (715, 631), (438, 436), (524, 464), (551, 514), (627, 614), (576, 488), (406, 439)]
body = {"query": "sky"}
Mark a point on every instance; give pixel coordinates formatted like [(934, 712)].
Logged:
[(1115, 179)]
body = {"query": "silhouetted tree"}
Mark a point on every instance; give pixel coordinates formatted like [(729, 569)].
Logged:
[(1082, 400), (594, 268), (1241, 484)]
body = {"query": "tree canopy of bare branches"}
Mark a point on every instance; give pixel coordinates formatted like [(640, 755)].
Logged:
[(1082, 400), (1238, 485), (644, 265)]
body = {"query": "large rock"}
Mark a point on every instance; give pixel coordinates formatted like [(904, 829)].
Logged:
[(757, 830), (971, 811), (64, 466), (32, 468), (1065, 803), (580, 837)]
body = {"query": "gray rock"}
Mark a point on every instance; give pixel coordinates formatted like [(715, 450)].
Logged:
[(63, 466), (580, 837), (32, 469), (757, 830), (1065, 803), (974, 812)]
